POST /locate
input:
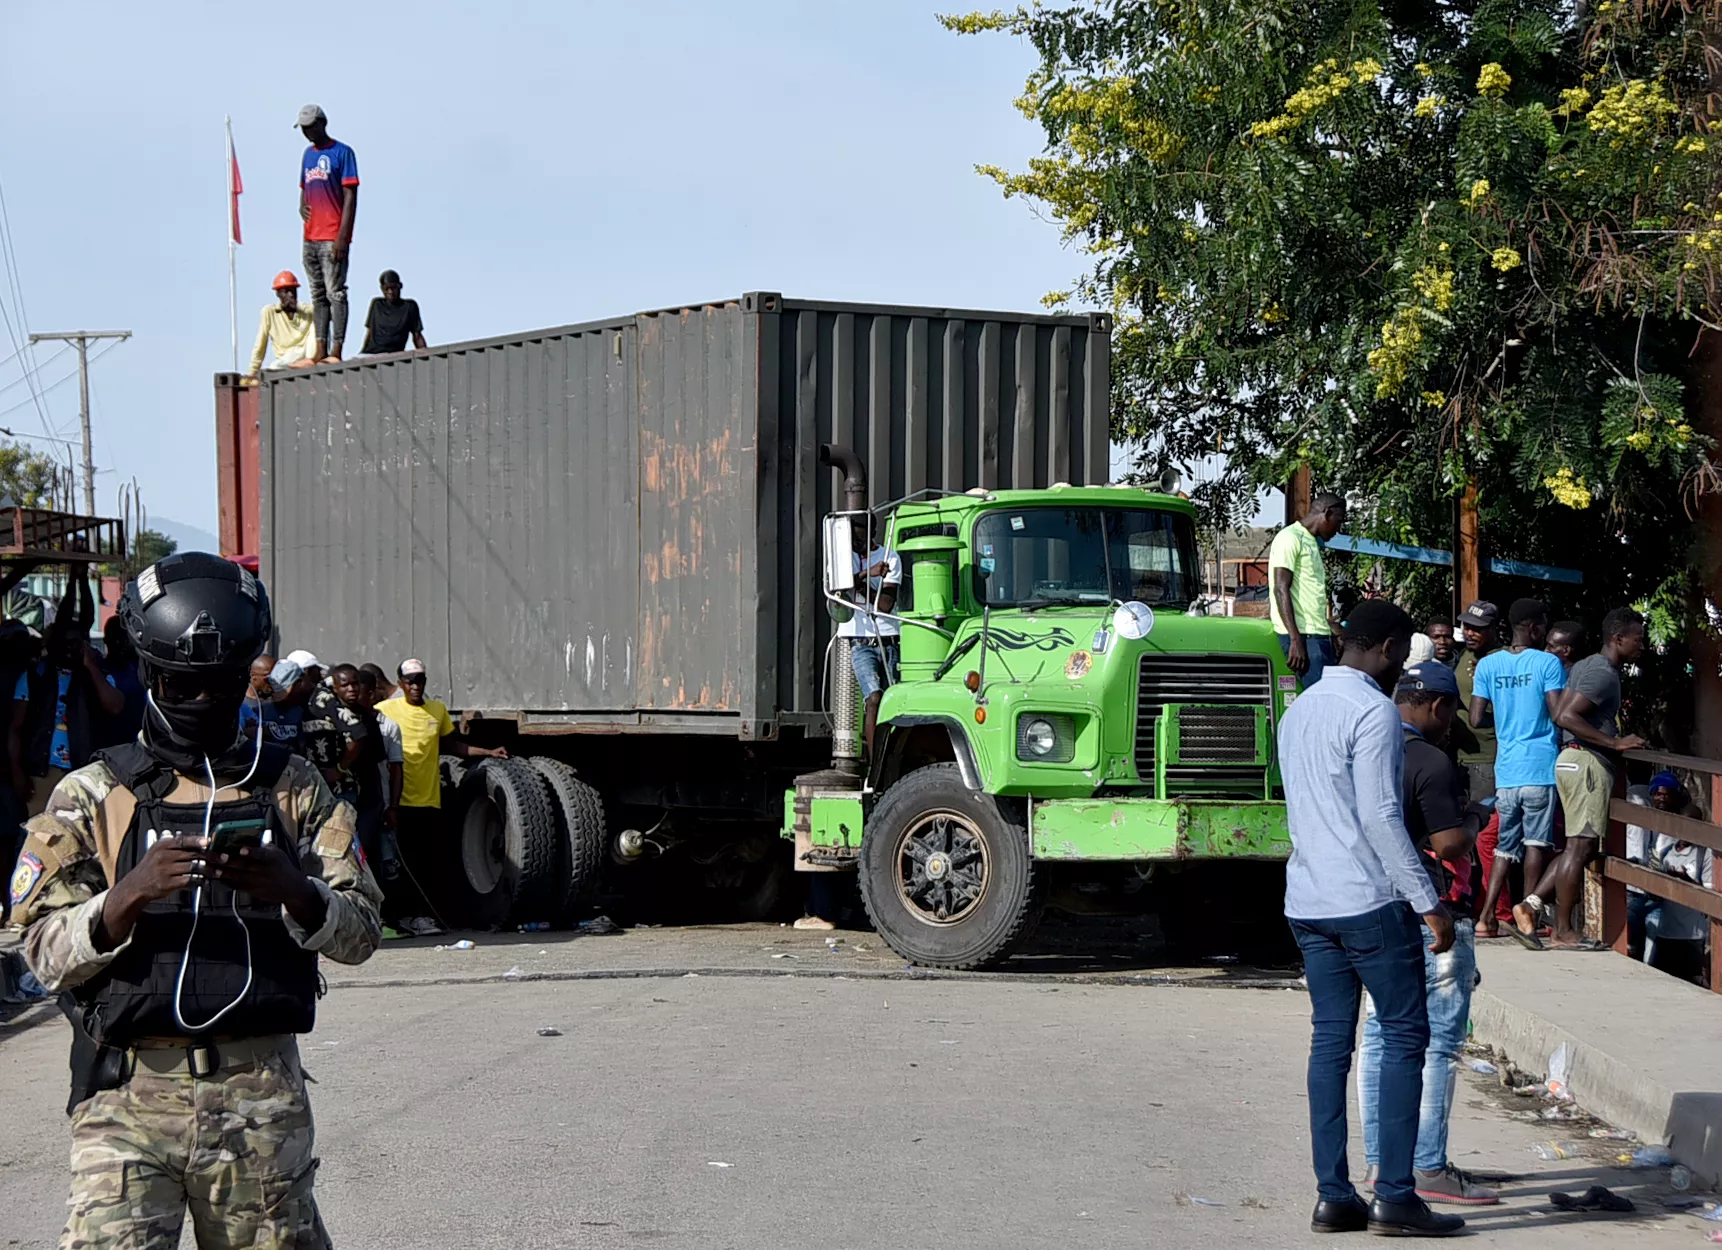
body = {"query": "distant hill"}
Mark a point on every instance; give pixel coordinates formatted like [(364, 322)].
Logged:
[(189, 537)]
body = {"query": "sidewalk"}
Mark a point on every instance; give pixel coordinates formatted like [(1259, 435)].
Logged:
[(1646, 1049)]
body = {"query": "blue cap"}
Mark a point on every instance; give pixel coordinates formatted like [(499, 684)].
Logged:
[(1433, 676), (1665, 781)]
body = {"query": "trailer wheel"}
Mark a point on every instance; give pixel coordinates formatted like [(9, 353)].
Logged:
[(946, 873), (579, 816), (507, 849)]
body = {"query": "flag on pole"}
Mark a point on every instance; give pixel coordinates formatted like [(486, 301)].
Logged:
[(235, 188)]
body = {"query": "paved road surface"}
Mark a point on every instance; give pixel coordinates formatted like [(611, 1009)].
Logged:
[(852, 1112)]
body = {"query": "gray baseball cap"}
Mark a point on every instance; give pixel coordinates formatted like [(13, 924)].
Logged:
[(311, 113)]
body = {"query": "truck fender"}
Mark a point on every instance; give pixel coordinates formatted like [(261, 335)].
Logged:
[(961, 750)]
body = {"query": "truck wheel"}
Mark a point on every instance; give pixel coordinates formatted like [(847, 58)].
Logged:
[(946, 874), (580, 823), (508, 851)]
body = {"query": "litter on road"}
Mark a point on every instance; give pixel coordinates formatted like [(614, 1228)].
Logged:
[(549, 1030), (465, 944)]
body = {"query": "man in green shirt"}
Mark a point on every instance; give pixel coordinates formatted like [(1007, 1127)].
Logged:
[(1297, 579), (1479, 621)]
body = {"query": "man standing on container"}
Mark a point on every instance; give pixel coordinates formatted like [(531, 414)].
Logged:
[(1355, 886), (426, 732), (1297, 588), (329, 205)]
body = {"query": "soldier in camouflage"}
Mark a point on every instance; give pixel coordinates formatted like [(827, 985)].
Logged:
[(134, 887)]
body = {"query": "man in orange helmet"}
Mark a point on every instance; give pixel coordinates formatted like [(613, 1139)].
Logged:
[(288, 326)]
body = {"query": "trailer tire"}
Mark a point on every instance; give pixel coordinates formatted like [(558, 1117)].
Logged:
[(946, 874), (508, 857), (579, 814)]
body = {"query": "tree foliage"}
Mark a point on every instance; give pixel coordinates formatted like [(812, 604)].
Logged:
[(27, 477), (1411, 245)]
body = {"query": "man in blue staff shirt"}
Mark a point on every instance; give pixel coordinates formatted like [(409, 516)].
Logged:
[(1519, 688), (1355, 886)]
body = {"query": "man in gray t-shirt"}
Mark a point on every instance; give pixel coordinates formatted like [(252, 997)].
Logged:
[(1599, 682), (1584, 772)]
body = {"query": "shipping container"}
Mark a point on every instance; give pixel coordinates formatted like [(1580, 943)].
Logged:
[(613, 526)]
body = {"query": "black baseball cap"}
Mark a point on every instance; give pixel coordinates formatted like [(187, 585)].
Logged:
[(1480, 615)]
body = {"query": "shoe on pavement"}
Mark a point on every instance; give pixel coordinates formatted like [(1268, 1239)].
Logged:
[(1340, 1217), (815, 922), (1451, 1185), (1411, 1219), (421, 926)]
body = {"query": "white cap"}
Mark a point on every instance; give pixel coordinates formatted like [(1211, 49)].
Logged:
[(412, 668), (304, 659)]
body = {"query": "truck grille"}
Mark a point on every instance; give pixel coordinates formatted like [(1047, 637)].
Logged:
[(1215, 736)]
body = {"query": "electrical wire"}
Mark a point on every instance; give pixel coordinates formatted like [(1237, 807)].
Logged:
[(23, 379), (37, 392), (16, 286)]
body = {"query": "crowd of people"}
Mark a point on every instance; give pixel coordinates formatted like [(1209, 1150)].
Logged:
[(378, 743), (1424, 770), (329, 206), (1536, 733)]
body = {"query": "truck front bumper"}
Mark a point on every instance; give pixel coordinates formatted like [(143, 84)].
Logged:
[(1150, 829)]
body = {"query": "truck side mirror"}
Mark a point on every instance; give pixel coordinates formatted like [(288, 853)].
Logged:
[(839, 551)]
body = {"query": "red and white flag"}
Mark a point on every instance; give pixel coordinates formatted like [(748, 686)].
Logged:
[(235, 188)]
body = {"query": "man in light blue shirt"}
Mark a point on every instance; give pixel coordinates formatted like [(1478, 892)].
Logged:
[(1355, 886), (1522, 686)]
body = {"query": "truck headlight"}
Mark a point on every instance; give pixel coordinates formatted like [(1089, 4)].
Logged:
[(1045, 738)]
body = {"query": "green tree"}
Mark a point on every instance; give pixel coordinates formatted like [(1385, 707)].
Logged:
[(27, 477), (149, 545), (1411, 245)]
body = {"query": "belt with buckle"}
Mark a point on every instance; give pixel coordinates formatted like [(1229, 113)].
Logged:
[(200, 1059)]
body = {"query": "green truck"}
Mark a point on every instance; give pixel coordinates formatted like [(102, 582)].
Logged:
[(1063, 699)]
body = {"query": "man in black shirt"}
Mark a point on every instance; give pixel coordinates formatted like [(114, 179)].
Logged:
[(1443, 824), (392, 319)]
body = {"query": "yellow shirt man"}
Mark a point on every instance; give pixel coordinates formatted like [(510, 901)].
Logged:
[(293, 334), (423, 728)]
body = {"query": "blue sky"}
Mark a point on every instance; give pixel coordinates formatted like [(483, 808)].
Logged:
[(537, 165)]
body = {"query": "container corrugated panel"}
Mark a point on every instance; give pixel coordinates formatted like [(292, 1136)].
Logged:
[(615, 524)]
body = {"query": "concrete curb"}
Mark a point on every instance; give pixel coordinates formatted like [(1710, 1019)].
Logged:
[(1609, 1086)]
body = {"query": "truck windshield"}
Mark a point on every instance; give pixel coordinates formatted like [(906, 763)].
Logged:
[(1046, 556)]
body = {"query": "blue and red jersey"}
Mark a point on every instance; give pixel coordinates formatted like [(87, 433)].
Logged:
[(323, 173)]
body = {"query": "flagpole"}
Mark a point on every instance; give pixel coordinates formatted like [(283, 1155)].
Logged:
[(232, 279)]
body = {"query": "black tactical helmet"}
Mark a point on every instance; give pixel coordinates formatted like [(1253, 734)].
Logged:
[(196, 613)]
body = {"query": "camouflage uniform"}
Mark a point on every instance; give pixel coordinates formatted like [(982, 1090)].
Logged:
[(236, 1147)]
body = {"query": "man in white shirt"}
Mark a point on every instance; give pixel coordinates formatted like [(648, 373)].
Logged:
[(874, 655)]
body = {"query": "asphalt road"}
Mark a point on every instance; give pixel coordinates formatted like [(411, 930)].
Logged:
[(849, 1110)]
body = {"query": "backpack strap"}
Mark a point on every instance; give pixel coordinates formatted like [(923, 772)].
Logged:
[(139, 771)]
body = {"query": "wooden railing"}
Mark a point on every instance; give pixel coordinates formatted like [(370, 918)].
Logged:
[(1617, 872)]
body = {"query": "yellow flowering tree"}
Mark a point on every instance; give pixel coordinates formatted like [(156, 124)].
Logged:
[(1412, 246)]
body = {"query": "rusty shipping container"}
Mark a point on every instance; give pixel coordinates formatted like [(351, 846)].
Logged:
[(613, 527)]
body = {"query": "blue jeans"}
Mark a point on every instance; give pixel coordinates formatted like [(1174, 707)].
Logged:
[(1382, 951), (1451, 977), (1319, 648), (875, 665), (1527, 819)]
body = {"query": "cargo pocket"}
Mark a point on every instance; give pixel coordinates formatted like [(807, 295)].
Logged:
[(290, 1219)]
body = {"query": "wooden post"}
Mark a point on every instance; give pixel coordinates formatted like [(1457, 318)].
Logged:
[(1715, 924), (1467, 559), (1609, 923), (1297, 495)]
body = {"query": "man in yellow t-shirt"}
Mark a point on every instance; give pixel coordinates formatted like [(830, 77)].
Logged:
[(1297, 588), (426, 732)]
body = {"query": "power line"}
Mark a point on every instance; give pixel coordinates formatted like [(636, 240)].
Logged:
[(30, 369), (55, 385), (17, 287)]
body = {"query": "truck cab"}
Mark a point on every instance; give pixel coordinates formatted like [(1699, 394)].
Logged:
[(1063, 697)]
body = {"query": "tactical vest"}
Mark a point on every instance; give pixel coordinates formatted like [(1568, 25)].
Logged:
[(133, 996)]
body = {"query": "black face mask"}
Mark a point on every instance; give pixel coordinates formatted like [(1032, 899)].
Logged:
[(206, 726)]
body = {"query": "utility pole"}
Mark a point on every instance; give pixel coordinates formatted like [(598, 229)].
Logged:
[(82, 340)]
